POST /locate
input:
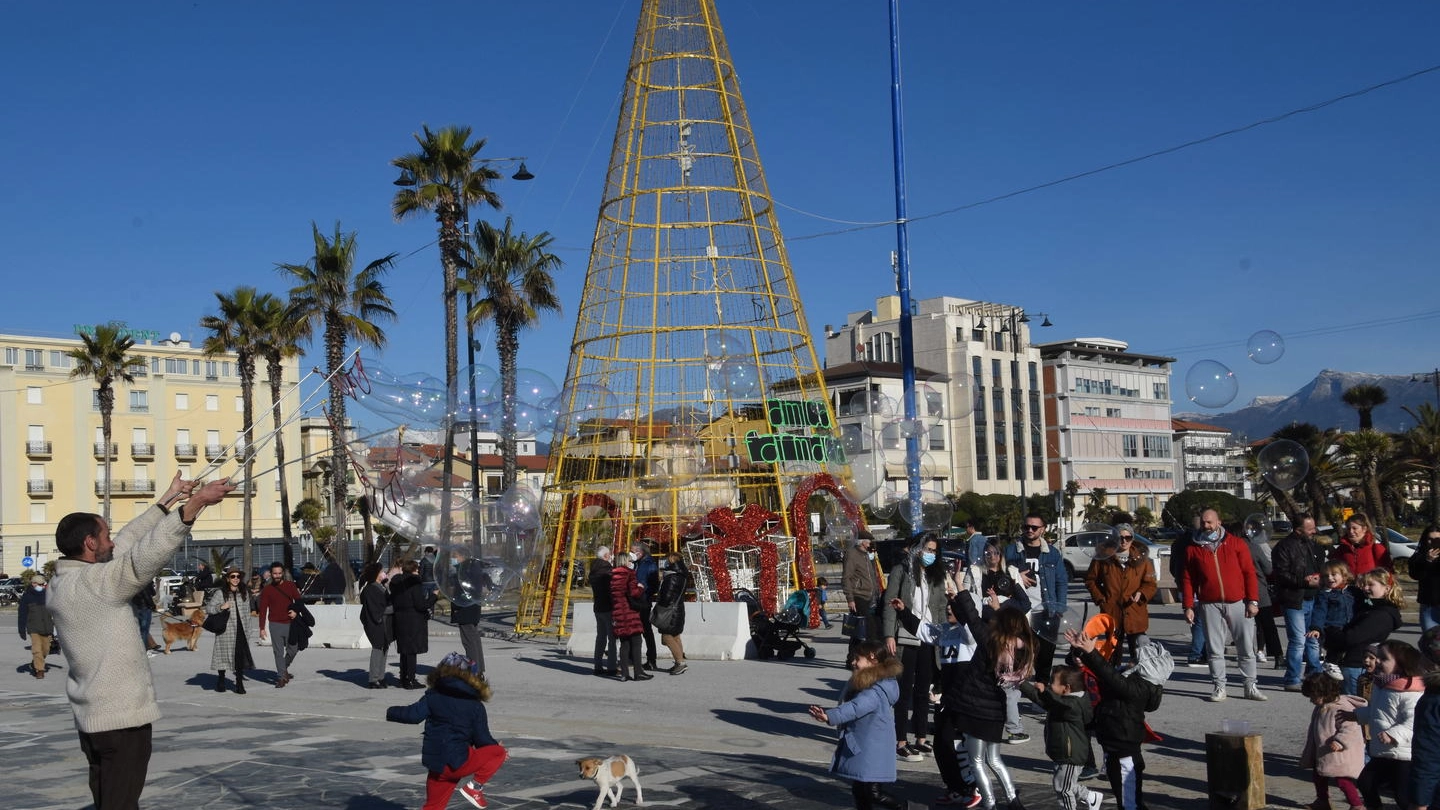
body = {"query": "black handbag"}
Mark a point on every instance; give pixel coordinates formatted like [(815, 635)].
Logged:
[(217, 622)]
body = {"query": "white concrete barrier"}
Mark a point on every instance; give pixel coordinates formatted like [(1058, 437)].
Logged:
[(337, 626), (714, 631)]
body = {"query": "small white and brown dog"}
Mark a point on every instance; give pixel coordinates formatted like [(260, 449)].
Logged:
[(609, 773)]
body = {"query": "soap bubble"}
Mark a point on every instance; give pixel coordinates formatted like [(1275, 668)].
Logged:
[(1283, 463), (856, 439), (1052, 626), (581, 404), (960, 393), (519, 509), (1257, 527), (935, 511), (887, 502), (867, 475), (1210, 384), (740, 377), (930, 401), (466, 578), (720, 344), (404, 399), (1265, 347), (871, 403)]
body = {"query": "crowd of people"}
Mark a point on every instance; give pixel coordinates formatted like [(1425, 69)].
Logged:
[(972, 638)]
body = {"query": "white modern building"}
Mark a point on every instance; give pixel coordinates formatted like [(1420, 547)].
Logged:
[(1210, 458), (980, 397), (1108, 412)]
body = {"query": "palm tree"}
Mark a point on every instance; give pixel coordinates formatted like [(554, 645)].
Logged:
[(1321, 479), (446, 178), (1423, 441), (1364, 399), (279, 339), (235, 331), (104, 357), (1367, 451), (512, 275), (344, 304)]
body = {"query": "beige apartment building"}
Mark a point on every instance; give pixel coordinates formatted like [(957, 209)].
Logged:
[(183, 412)]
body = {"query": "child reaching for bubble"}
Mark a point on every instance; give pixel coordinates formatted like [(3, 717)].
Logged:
[(1334, 747), (456, 742), (866, 720)]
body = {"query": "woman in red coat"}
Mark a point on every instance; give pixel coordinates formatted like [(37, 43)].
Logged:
[(1359, 549), (628, 627)]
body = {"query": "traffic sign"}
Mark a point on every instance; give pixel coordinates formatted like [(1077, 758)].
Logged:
[(27, 562)]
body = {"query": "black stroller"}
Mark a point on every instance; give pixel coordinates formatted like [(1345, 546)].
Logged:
[(777, 635)]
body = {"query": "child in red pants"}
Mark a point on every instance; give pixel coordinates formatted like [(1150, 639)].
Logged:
[(456, 742)]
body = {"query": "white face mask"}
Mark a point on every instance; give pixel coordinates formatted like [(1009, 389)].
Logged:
[(634, 556), (869, 555), (39, 588)]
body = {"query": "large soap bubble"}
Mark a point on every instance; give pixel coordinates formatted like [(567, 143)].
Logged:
[(959, 393), (740, 377), (583, 404), (1052, 626), (1257, 527), (519, 509), (1265, 347), (403, 399), (1283, 463), (720, 344), (871, 403), (935, 511), (467, 578), (1210, 384)]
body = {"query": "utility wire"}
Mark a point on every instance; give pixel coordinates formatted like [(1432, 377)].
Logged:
[(1130, 162)]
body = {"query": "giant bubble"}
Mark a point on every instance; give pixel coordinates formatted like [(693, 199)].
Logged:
[(1210, 384)]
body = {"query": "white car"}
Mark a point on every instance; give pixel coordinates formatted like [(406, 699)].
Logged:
[(1400, 548), (1078, 550)]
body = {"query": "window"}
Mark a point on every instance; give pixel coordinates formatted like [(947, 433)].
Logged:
[(239, 404), (1131, 445), (937, 437), (182, 402), (59, 359), (1132, 502), (139, 401), (100, 473), (195, 367), (977, 370), (1157, 447), (212, 402), (1113, 413), (174, 366), (1091, 410), (982, 453), (12, 355), (995, 376), (32, 395), (212, 370), (34, 360), (1162, 390), (37, 512), (139, 436), (94, 399)]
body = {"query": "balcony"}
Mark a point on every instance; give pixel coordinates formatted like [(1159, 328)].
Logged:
[(214, 452), (40, 488), (142, 450), (100, 450), (125, 487), (37, 449), (185, 452)]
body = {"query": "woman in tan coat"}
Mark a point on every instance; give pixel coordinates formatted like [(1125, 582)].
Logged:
[(1122, 584)]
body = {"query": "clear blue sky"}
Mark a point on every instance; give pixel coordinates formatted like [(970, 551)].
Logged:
[(156, 152)]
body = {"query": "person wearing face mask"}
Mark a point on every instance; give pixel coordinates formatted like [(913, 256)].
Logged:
[(1219, 582), (647, 573), (857, 581), (628, 596), (36, 623), (919, 582)]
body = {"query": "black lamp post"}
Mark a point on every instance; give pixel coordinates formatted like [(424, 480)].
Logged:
[(1434, 378)]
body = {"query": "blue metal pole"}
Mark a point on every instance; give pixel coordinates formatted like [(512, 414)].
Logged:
[(902, 249)]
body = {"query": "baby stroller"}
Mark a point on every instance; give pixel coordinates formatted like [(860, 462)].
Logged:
[(777, 635)]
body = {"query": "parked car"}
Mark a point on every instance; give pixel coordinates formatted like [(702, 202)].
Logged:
[(11, 589), (1078, 550), (1401, 549)]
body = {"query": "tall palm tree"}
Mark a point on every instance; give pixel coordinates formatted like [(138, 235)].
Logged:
[(1365, 398), (1367, 451), (513, 277), (235, 330), (1321, 479), (445, 178), (278, 340), (104, 357), (343, 304), (1423, 441)]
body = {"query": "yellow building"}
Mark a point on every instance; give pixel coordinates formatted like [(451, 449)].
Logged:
[(183, 412)]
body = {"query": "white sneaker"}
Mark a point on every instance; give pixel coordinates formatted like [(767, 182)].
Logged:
[(1094, 800), (1261, 657), (1252, 692), (1218, 695)]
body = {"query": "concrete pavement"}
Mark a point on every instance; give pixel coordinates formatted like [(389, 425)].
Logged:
[(723, 735)]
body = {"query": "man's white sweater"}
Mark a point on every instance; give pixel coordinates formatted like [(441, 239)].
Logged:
[(110, 685)]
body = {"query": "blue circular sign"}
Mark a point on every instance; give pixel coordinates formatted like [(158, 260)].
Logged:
[(27, 562)]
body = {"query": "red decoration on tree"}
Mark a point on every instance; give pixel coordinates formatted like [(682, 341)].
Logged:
[(745, 530), (657, 531), (800, 519)]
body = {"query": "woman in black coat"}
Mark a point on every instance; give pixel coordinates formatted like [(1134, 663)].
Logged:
[(412, 603), (668, 615), (1425, 569), (378, 621)]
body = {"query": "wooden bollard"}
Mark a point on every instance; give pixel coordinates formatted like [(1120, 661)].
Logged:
[(1235, 766)]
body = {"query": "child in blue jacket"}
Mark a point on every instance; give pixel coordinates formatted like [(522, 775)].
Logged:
[(456, 742), (866, 719)]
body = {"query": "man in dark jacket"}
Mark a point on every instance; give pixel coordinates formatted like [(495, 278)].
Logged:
[(470, 581), (604, 605), (1120, 715), (1299, 561), (35, 622), (1219, 582), (647, 573)]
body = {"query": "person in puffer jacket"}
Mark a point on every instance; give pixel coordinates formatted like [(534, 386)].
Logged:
[(1120, 715), (954, 649), (456, 742), (1390, 718)]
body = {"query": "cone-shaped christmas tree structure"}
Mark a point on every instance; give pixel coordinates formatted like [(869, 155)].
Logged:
[(693, 414)]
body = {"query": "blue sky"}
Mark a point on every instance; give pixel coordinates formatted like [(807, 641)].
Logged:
[(157, 152)]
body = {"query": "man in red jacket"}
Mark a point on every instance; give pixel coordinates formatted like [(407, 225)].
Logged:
[(1219, 577), (275, 600)]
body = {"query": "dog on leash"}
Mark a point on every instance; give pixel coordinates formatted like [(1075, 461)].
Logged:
[(189, 630), (609, 773)]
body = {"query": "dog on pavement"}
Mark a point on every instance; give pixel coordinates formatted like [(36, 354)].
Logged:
[(189, 630), (609, 773)]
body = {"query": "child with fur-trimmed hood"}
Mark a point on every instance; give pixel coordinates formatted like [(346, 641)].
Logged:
[(456, 742), (1120, 715)]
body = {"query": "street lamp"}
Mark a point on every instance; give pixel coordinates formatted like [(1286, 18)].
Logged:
[(1434, 378), (408, 179)]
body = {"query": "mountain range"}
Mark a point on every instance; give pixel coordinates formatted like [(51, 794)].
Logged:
[(1319, 403)]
